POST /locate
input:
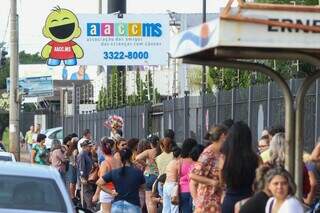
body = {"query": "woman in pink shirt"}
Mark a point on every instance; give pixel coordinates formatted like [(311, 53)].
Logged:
[(186, 165), (58, 158)]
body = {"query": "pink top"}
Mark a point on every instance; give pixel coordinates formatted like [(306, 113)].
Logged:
[(184, 176), (58, 160)]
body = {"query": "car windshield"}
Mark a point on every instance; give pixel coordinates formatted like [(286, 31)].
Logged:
[(30, 193), (5, 158)]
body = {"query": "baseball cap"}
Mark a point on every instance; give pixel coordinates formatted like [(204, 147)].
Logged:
[(86, 143)]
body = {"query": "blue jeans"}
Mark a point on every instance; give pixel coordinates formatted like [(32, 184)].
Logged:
[(29, 147), (123, 206), (67, 62), (185, 202), (168, 207)]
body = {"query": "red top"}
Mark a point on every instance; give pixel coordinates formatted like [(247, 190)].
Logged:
[(62, 50)]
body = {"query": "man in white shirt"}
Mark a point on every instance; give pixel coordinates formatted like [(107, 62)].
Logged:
[(86, 136)]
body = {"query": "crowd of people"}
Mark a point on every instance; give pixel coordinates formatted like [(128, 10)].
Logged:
[(156, 174)]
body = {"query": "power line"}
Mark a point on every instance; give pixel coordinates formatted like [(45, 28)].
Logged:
[(5, 32)]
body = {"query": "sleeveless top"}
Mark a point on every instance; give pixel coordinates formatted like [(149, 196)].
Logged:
[(186, 167), (108, 185)]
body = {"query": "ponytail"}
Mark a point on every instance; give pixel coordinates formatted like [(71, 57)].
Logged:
[(125, 155), (123, 169)]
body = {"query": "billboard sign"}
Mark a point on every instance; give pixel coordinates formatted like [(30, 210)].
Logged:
[(35, 86), (58, 72), (93, 39), (130, 40)]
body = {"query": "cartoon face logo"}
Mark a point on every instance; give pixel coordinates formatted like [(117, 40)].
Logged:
[(61, 26)]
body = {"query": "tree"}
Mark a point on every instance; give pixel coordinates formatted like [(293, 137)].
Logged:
[(194, 77), (102, 99), (114, 97), (26, 58)]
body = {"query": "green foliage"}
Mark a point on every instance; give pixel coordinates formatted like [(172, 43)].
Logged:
[(26, 58), (114, 96), (4, 103), (226, 78), (29, 107), (195, 80), (4, 74)]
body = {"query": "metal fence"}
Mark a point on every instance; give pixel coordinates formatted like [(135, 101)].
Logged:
[(191, 116), (53, 119)]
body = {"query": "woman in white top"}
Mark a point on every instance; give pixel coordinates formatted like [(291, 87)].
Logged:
[(283, 188)]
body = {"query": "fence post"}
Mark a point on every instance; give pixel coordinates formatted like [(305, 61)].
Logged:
[(186, 113), (95, 125), (268, 104), (232, 103), (78, 99), (173, 112), (131, 121), (217, 107), (138, 123), (146, 120), (249, 105), (86, 120), (202, 96), (73, 107)]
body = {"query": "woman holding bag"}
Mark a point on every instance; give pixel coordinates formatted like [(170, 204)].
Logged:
[(171, 187), (186, 165)]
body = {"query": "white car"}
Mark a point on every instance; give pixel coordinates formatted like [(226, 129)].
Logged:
[(33, 188), (54, 133), (7, 156)]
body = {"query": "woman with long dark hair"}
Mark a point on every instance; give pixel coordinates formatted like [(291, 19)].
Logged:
[(107, 165), (127, 181), (239, 166), (184, 170)]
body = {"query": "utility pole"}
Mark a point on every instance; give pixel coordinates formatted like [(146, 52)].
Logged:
[(100, 68), (14, 112), (204, 77), (204, 19)]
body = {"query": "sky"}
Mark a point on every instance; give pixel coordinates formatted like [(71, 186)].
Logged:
[(32, 14)]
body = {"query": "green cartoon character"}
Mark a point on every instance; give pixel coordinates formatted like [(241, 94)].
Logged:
[(61, 26)]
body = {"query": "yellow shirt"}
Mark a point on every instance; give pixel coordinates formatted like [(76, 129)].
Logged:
[(28, 137), (162, 161), (265, 156)]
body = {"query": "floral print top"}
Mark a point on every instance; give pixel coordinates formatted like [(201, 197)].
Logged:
[(208, 197)]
